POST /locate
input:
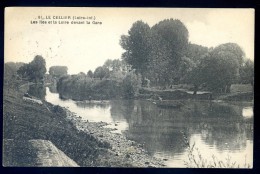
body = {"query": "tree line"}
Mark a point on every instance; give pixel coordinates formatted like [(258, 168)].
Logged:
[(163, 54)]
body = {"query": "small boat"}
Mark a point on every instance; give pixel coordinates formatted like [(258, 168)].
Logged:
[(168, 104)]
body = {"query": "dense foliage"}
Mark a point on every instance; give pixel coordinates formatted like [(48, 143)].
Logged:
[(247, 72), (82, 87), (163, 55), (33, 71), (101, 72), (10, 70), (58, 71), (90, 74), (137, 46)]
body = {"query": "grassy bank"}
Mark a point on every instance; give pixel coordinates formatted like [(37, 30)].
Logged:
[(24, 120), (93, 146)]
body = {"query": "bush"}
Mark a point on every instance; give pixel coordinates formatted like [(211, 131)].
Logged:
[(131, 85), (85, 88)]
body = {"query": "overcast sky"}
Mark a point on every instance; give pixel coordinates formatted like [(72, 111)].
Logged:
[(82, 47)]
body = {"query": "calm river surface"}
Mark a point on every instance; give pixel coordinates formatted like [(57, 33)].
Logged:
[(220, 129)]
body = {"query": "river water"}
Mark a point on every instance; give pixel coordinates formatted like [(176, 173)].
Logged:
[(220, 129)]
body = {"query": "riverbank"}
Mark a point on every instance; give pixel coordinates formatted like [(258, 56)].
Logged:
[(122, 148), (88, 144)]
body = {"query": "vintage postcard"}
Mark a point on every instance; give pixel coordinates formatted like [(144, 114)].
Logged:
[(128, 87)]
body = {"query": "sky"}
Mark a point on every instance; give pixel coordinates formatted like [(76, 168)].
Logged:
[(83, 47)]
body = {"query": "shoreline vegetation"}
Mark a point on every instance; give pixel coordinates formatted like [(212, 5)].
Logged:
[(176, 93)]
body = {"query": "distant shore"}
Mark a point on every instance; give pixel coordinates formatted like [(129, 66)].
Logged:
[(240, 92)]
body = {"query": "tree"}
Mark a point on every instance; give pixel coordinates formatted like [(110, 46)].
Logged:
[(247, 72), (185, 67), (58, 71), (38, 91), (196, 52), (11, 68), (169, 42), (113, 65), (101, 72), (35, 70), (158, 67), (23, 71), (174, 34), (90, 74), (117, 75), (117, 65), (108, 64), (137, 46), (233, 50), (131, 84), (190, 69), (220, 68)]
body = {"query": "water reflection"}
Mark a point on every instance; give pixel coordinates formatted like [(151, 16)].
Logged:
[(220, 126), (216, 128), (92, 104)]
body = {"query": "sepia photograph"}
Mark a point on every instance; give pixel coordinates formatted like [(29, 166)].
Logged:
[(128, 87)]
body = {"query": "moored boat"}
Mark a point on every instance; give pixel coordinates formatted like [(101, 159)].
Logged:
[(168, 104)]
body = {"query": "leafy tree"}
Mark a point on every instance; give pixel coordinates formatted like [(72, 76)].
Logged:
[(137, 46), (117, 75), (58, 71), (90, 74), (233, 50), (38, 68), (108, 64), (158, 66), (38, 91), (117, 65), (11, 68), (220, 68), (101, 72), (174, 34), (217, 69), (196, 52), (190, 69), (23, 71), (131, 84), (185, 67), (35, 70), (114, 65), (156, 53), (247, 72), (169, 42)]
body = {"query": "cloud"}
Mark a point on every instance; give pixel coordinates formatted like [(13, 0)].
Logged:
[(224, 26)]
